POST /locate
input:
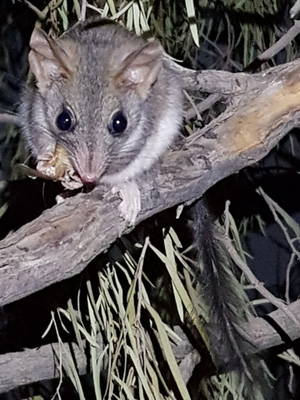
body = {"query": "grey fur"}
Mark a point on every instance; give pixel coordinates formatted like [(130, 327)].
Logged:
[(153, 121)]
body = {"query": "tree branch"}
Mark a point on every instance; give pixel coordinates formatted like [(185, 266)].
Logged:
[(33, 365), (6, 118), (63, 240)]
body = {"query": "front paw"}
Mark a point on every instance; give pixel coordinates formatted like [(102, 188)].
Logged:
[(130, 205)]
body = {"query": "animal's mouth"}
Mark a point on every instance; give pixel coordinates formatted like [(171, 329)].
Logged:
[(57, 166), (88, 187)]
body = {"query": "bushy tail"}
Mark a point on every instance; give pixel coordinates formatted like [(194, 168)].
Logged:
[(228, 308)]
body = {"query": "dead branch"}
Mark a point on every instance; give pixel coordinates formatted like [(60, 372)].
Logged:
[(283, 42), (263, 336), (33, 365), (6, 118), (61, 242)]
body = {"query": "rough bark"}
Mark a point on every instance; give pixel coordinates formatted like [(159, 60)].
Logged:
[(261, 109), (33, 365)]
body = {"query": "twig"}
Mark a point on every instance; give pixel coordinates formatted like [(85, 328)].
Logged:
[(203, 106), (295, 253), (281, 43), (60, 345), (277, 47), (272, 206), (83, 10), (6, 118), (194, 107), (98, 10), (295, 9), (41, 14), (259, 286), (288, 277), (138, 279)]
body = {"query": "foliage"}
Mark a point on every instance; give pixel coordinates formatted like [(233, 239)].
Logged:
[(133, 352)]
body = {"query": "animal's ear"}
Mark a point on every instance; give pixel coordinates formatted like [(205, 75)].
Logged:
[(140, 69), (51, 59)]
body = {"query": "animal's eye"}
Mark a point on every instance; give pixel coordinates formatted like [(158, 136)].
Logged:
[(118, 124), (64, 120)]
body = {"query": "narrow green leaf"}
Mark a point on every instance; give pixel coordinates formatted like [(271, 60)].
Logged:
[(190, 9), (168, 353)]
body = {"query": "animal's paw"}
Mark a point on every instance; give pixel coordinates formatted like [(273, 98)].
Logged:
[(130, 205)]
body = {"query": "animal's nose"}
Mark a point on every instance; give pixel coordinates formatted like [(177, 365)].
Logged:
[(87, 178), (89, 182)]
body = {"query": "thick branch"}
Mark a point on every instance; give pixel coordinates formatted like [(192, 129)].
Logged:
[(61, 242), (33, 365)]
